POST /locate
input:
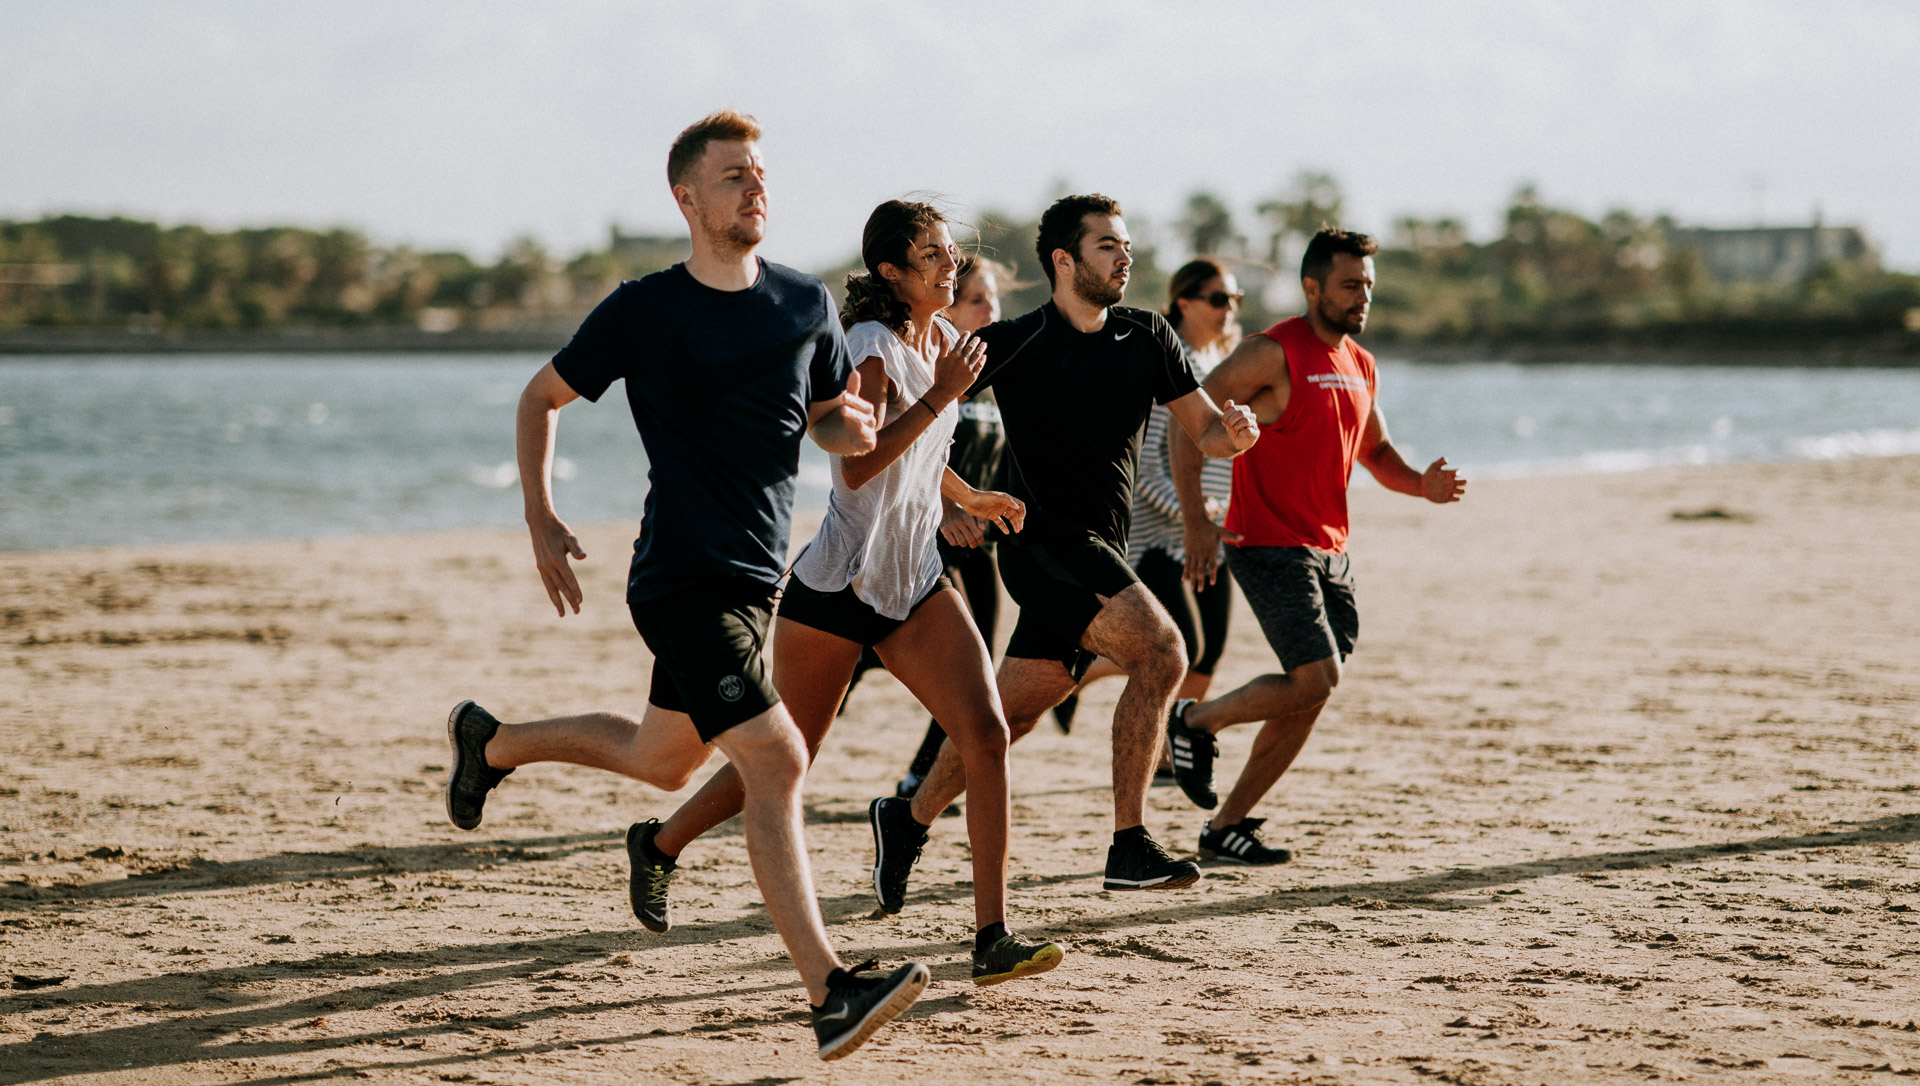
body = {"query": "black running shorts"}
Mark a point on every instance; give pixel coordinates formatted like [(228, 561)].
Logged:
[(844, 614), (1059, 585), (1303, 598), (706, 643)]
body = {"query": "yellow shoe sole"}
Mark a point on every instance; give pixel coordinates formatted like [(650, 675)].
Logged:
[(1043, 959)]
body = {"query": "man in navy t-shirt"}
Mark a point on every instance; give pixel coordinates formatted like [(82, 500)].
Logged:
[(728, 361)]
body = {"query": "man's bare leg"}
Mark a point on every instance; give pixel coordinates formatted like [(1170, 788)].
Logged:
[(1290, 705), (811, 670), (664, 749), (772, 761), (1027, 689), (1134, 631)]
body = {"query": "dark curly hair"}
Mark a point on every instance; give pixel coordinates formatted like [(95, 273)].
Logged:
[(1064, 224), (887, 239)]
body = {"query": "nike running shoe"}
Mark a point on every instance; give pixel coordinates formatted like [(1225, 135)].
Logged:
[(856, 1007), (1240, 844), (650, 875), (1193, 754), (1139, 863), (469, 777), (897, 841), (1010, 959)]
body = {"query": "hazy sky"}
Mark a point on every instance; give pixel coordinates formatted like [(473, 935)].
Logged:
[(463, 124)]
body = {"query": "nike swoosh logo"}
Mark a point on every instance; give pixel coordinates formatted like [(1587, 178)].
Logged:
[(1118, 336), (837, 1015)]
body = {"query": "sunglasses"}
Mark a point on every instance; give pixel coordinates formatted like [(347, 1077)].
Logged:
[(1220, 299)]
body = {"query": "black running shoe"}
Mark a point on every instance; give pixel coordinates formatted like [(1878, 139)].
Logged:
[(1141, 864), (469, 777), (648, 878), (1193, 754), (1063, 713), (897, 841), (1240, 844), (1010, 959), (856, 1007)]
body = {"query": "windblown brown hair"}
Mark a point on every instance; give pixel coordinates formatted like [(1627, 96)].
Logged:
[(724, 126), (887, 239)]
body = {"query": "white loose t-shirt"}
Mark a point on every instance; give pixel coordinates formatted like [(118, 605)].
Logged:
[(881, 538)]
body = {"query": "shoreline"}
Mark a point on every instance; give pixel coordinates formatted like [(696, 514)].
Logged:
[(1878, 351)]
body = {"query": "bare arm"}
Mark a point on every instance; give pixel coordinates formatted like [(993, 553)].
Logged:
[(1247, 376), (553, 542), (1439, 483), (842, 425), (992, 506), (953, 374), (1221, 432)]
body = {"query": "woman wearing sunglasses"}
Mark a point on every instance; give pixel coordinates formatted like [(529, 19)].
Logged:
[(1204, 301)]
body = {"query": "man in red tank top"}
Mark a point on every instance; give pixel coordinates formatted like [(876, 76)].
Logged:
[(1312, 389)]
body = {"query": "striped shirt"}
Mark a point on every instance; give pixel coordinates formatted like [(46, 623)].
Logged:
[(1156, 505)]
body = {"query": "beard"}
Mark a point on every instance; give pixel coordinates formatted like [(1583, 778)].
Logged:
[(1350, 321), (1094, 289), (732, 234)]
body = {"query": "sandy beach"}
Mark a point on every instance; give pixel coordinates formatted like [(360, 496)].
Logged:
[(1621, 786)]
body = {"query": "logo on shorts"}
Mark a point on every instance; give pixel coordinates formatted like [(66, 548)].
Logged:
[(732, 688)]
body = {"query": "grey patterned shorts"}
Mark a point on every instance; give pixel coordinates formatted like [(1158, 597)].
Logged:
[(1303, 598)]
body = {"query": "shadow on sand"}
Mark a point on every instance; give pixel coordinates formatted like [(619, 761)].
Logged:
[(216, 1015)]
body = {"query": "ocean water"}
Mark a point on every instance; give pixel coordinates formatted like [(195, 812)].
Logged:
[(110, 450)]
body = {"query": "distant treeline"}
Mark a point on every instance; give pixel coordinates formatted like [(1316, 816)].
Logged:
[(1551, 277)]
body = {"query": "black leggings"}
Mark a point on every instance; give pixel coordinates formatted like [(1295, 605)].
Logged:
[(1201, 616)]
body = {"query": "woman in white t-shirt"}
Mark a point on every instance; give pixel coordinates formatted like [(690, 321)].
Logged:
[(872, 576)]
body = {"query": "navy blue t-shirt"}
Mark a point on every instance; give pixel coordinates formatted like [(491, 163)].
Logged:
[(719, 382)]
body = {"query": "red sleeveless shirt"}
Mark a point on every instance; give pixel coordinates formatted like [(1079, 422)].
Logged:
[(1290, 488)]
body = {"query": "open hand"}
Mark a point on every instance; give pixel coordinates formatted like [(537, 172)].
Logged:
[(553, 544), (1201, 540), (955, 370), (1243, 429), (1005, 510), (1442, 484)]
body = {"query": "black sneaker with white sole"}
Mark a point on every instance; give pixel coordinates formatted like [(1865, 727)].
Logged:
[(650, 874), (856, 1006), (897, 841), (1010, 959), (469, 777), (1135, 861), (1240, 844), (1193, 753)]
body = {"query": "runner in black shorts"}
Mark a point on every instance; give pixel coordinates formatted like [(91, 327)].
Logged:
[(1075, 380), (728, 361), (871, 579), (1312, 388)]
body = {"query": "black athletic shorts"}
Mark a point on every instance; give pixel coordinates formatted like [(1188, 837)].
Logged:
[(1058, 584), (706, 642), (844, 614), (1303, 598)]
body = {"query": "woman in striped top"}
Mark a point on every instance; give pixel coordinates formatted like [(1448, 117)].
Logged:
[(1204, 300)]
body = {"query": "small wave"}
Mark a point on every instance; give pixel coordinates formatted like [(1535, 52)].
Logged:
[(1845, 445)]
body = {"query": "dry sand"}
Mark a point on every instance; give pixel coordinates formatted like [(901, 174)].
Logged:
[(1608, 795)]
